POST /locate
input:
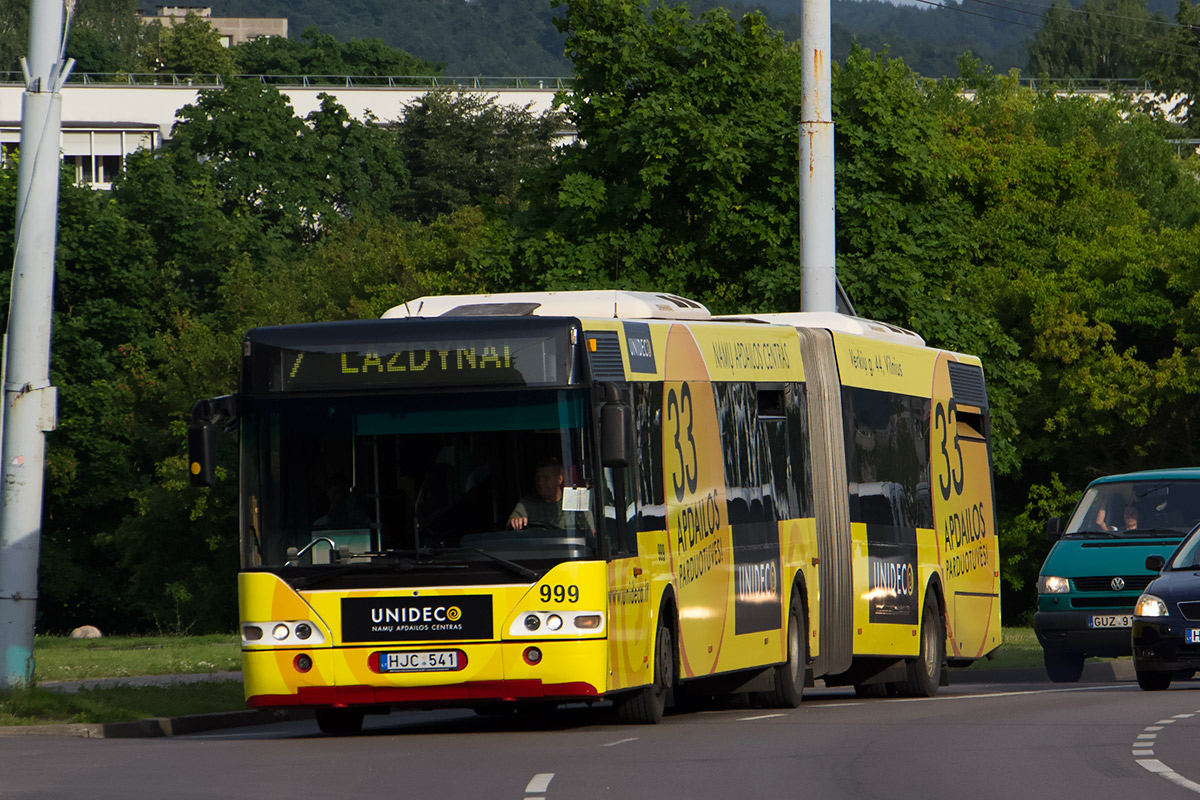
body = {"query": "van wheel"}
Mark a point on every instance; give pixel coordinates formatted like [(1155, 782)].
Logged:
[(924, 673), (1063, 667), (789, 676), (645, 706)]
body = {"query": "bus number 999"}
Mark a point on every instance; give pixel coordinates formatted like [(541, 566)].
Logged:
[(559, 593)]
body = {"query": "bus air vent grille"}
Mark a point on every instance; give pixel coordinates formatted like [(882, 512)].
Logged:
[(606, 358), (966, 382)]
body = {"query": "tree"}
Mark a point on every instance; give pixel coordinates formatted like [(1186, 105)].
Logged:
[(14, 35), (1103, 39), (686, 181), (106, 36), (318, 54), (1175, 70), (462, 148), (190, 47)]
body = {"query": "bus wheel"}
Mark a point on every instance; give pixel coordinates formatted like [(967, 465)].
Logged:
[(789, 676), (339, 720), (1063, 667), (645, 706), (924, 673)]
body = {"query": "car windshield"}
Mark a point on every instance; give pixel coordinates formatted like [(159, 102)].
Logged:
[(427, 480), (1188, 554), (1131, 509)]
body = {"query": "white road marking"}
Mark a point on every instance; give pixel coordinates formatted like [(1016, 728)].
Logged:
[(539, 783), (760, 716), (1184, 716), (620, 741), (1147, 736), (1143, 752), (1165, 722), (1162, 770)]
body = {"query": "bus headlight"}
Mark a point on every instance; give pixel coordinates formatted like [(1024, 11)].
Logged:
[(1150, 606), (557, 623), (283, 633)]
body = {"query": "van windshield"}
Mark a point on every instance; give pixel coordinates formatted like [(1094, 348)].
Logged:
[(1129, 509)]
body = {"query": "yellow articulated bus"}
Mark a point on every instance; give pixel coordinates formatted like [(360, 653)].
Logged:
[(505, 501)]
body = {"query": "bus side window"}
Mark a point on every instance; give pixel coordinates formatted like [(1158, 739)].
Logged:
[(647, 416), (800, 489)]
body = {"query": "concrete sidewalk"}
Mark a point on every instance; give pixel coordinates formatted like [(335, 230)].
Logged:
[(1093, 672)]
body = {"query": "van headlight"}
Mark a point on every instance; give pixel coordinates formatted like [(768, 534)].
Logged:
[(1053, 584), (1150, 606)]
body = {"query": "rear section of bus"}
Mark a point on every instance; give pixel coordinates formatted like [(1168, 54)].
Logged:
[(1096, 569)]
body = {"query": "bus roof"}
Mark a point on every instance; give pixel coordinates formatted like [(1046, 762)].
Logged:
[(599, 303), (615, 304)]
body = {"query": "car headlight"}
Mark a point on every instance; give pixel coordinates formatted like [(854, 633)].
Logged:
[(1053, 584), (1150, 606)]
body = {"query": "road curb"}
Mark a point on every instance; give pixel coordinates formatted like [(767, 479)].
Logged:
[(1093, 672), (157, 727)]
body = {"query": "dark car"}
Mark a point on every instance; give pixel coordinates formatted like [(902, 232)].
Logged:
[(1166, 623)]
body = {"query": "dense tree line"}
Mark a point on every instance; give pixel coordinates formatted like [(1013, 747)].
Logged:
[(1054, 237)]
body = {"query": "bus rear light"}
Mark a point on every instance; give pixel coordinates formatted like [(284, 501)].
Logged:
[(554, 622), (587, 621), (251, 633), (303, 662), (533, 656), (280, 632)]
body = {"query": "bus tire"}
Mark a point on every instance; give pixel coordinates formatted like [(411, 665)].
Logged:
[(924, 673), (645, 706), (789, 676), (1063, 667), (339, 721)]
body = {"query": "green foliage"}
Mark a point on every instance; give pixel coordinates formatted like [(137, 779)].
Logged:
[(686, 182), (14, 35), (318, 54), (60, 658), (105, 35), (190, 47), (1100, 39), (461, 148)]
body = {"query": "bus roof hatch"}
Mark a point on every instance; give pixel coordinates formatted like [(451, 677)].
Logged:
[(593, 304)]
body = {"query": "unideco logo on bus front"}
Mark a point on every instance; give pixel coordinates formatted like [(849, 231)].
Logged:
[(393, 619)]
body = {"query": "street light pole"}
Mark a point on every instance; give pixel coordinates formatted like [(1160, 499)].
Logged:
[(29, 399), (818, 266)]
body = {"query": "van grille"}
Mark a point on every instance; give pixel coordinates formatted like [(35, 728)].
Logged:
[(1103, 583), (1190, 610), (1111, 601)]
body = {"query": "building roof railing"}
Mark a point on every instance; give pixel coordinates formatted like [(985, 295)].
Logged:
[(211, 81)]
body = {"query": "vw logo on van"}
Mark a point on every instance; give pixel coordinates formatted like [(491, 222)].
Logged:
[(1118, 583)]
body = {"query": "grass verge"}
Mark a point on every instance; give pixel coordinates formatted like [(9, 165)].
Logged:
[(58, 658), (119, 704)]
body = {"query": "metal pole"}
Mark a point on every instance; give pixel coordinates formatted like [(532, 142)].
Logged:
[(818, 267), (29, 399)]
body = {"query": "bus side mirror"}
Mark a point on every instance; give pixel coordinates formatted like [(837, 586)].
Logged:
[(202, 437), (616, 424), (1052, 529), (202, 453), (1155, 563)]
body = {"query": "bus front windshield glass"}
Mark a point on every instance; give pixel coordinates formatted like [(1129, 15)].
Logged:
[(1132, 509), (500, 478)]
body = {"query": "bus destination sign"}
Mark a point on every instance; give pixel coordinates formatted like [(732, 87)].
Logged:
[(467, 362)]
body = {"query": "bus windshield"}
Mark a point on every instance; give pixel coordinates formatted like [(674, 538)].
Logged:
[(500, 478), (1131, 509)]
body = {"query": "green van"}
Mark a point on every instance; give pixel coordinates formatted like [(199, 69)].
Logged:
[(1093, 575)]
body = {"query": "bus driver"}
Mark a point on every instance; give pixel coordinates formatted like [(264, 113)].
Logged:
[(544, 508)]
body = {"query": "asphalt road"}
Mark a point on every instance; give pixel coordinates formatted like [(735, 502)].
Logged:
[(1098, 740)]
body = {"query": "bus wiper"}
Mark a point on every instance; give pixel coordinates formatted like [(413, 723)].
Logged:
[(511, 566), (1092, 535)]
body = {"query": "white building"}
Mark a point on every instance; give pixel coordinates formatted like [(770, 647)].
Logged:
[(105, 122)]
